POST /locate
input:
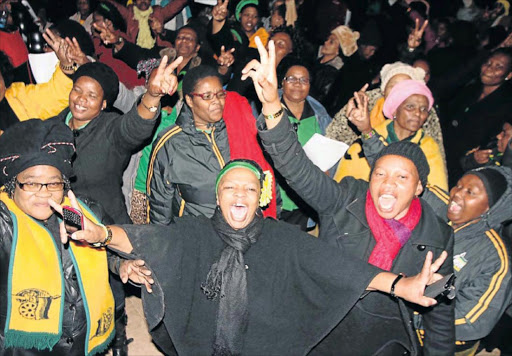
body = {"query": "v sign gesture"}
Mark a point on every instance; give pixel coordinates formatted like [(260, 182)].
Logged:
[(264, 78), (162, 81)]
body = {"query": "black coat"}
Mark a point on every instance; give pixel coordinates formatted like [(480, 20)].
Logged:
[(341, 208), (298, 287), (103, 150), (468, 123)]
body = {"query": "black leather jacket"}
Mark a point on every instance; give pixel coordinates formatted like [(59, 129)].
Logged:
[(74, 322)]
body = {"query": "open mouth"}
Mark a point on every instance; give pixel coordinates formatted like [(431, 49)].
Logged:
[(454, 208), (239, 211), (386, 202), (80, 108)]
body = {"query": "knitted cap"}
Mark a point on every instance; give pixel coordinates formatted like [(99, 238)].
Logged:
[(401, 91), (35, 142), (388, 71), (494, 182), (412, 152), (104, 75)]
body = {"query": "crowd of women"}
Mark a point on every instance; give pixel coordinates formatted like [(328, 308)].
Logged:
[(182, 146)]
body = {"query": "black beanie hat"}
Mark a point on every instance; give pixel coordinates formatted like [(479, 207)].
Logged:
[(104, 75), (36, 142), (495, 183), (410, 151)]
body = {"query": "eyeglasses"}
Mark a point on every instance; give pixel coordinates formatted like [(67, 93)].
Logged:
[(221, 94), (36, 187), (292, 80)]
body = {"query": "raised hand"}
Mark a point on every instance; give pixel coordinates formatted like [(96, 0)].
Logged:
[(156, 25), (137, 272), (220, 11), (357, 110), (226, 58), (107, 35), (414, 39), (59, 46), (75, 53), (263, 73), (481, 156), (413, 288), (163, 81)]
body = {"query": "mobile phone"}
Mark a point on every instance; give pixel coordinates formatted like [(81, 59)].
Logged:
[(73, 217), (442, 288)]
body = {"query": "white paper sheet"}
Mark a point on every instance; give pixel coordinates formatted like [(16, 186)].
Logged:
[(43, 66), (324, 152)]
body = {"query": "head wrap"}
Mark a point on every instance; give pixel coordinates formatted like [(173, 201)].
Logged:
[(265, 178), (347, 39), (243, 4), (494, 182), (33, 143), (390, 70), (401, 91), (412, 152), (104, 75)]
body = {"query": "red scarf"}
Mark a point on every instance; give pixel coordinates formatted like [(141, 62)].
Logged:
[(390, 234), (243, 141)]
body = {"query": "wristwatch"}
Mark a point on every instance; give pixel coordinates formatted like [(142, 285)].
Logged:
[(151, 109)]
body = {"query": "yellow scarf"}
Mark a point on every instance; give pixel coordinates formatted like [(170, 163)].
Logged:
[(144, 38), (36, 286), (376, 115), (262, 34)]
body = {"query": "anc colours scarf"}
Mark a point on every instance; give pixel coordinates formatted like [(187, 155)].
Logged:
[(36, 287), (390, 234)]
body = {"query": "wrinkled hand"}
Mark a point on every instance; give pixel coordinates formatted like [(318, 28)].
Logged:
[(163, 81), (107, 35), (263, 73), (137, 272), (226, 58), (91, 233), (414, 39), (413, 288), (220, 11), (59, 46), (75, 53), (357, 110), (481, 156), (155, 25)]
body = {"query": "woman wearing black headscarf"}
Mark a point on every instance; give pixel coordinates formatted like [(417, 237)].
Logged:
[(106, 140)]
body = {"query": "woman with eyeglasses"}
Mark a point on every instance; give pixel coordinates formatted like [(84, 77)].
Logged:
[(55, 298), (308, 117), (213, 127)]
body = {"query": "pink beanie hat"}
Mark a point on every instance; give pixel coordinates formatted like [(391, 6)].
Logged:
[(401, 91)]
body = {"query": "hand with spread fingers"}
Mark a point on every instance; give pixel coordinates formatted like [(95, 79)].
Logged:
[(59, 46), (137, 272), (75, 53), (107, 36), (414, 39), (226, 58), (263, 73), (413, 288), (220, 11), (357, 111), (162, 80)]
